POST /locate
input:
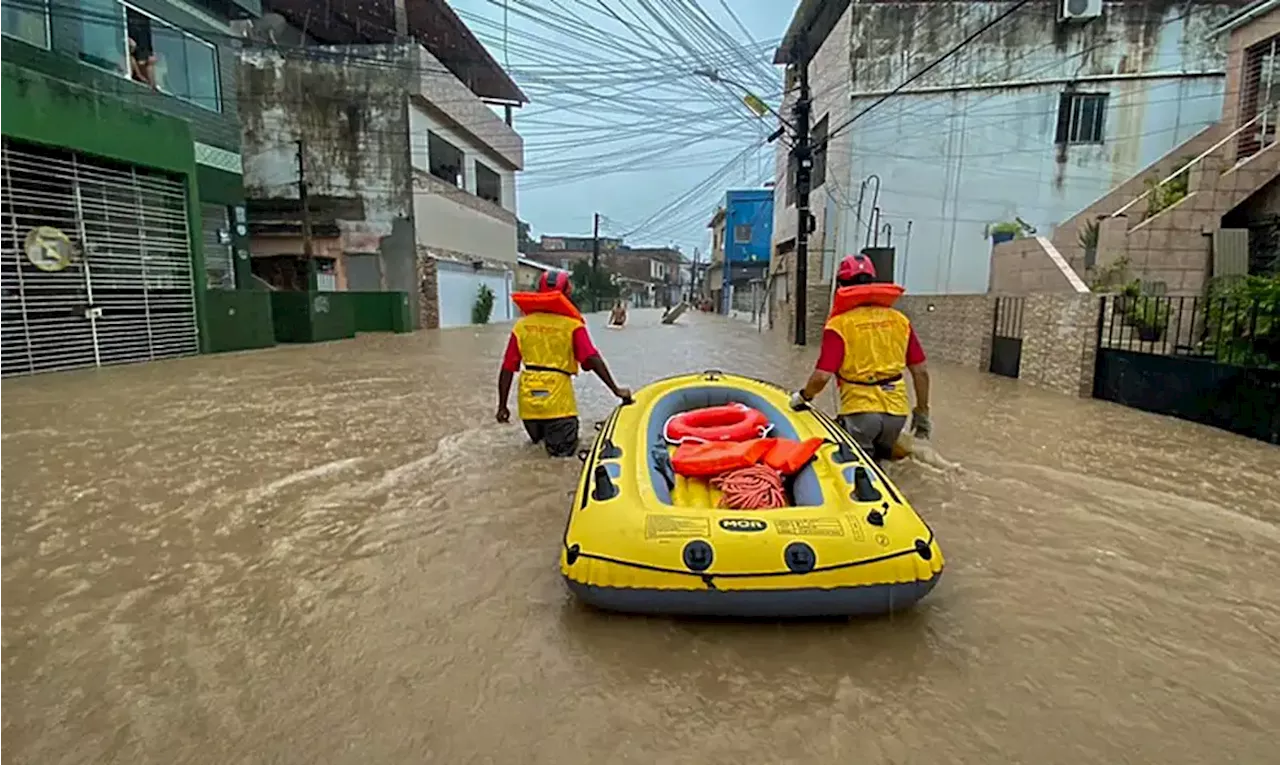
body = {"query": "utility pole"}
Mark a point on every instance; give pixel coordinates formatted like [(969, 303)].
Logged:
[(595, 263), (306, 209), (802, 152)]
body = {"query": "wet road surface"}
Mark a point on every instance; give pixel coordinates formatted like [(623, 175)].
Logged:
[(331, 554)]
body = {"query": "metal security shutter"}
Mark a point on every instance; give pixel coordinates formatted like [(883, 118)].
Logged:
[(126, 294)]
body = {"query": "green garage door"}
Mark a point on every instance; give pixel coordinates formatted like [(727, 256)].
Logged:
[(95, 263)]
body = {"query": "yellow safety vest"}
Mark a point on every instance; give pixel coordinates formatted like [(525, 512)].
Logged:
[(546, 350), (875, 357)]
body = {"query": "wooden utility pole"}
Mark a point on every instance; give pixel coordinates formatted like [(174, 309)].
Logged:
[(302, 201), (595, 263), (802, 152)]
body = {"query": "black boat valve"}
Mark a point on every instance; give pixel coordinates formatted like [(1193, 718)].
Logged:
[(604, 485), (610, 450), (846, 454), (863, 489)]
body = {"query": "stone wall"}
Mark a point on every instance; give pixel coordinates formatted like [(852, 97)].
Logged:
[(1059, 335), (953, 328), (1060, 342), (428, 291)]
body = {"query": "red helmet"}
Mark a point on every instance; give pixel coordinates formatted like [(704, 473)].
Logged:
[(550, 281), (853, 265)]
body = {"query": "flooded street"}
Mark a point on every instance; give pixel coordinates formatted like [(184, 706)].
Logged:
[(333, 554)]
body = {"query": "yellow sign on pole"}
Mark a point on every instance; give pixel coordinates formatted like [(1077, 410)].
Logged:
[(755, 104)]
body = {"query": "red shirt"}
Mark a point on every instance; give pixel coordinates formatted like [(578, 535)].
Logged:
[(832, 354), (583, 349)]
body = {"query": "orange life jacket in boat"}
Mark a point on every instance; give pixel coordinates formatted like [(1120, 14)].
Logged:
[(849, 298), (546, 302), (789, 457), (704, 460)]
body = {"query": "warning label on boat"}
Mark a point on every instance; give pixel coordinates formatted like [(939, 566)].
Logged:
[(810, 527), (663, 526)]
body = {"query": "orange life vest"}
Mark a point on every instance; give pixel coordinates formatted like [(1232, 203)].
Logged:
[(546, 302), (849, 298), (789, 457), (704, 460)]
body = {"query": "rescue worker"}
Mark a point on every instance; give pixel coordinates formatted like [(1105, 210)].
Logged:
[(551, 345), (867, 348)]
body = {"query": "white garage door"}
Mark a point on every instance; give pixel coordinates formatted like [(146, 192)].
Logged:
[(459, 286)]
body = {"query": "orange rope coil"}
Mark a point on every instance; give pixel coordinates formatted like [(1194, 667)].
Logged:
[(758, 487)]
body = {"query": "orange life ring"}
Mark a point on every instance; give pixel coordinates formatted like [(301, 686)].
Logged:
[(848, 298), (730, 422), (546, 302)]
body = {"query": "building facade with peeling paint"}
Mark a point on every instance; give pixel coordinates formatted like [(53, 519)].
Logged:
[(1027, 125), (409, 170)]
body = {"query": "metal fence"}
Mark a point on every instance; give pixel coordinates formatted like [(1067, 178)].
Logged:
[(1210, 360)]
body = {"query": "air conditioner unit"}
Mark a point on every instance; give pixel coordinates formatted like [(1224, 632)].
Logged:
[(1079, 10)]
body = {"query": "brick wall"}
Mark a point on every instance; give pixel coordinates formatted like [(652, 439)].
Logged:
[(1022, 267), (952, 328), (1059, 335)]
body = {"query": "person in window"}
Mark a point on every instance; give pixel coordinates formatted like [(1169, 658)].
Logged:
[(867, 348), (142, 64), (550, 340)]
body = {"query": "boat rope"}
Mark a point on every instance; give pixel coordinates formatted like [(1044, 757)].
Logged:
[(758, 487)]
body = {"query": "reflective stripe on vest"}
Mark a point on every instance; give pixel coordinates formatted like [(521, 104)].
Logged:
[(546, 351), (875, 356)]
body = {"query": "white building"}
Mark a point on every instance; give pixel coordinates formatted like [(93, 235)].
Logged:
[(1033, 121), (411, 172)]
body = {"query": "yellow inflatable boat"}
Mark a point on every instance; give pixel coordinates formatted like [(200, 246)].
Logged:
[(642, 539)]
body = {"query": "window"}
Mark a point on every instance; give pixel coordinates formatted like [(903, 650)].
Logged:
[(171, 61), (28, 22), (1080, 118), (1259, 95), (488, 184), (819, 174), (102, 37), (444, 160), (742, 233)]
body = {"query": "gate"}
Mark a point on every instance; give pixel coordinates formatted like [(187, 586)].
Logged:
[(1213, 361), (95, 263), (1006, 337)]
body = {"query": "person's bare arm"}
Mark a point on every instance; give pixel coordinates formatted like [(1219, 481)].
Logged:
[(920, 380), (504, 394), (596, 365), (817, 382)]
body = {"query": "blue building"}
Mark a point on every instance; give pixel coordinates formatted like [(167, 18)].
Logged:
[(742, 235)]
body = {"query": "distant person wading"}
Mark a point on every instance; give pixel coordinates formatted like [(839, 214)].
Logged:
[(550, 341)]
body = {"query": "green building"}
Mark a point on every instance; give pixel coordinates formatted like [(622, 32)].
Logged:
[(123, 223)]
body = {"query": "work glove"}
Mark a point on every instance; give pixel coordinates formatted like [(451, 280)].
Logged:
[(921, 425), (798, 401)]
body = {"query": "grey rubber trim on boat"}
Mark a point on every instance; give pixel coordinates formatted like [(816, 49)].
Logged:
[(808, 602)]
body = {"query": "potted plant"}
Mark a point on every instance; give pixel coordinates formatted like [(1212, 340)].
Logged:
[(1088, 238), (482, 309), (1006, 231), (1150, 317)]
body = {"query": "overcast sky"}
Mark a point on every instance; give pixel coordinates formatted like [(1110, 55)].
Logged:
[(618, 122)]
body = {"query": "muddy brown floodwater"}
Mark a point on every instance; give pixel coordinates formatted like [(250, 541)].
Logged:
[(332, 554)]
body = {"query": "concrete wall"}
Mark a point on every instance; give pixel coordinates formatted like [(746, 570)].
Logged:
[(973, 142), (1059, 335), (446, 93), (353, 118), (451, 219)]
